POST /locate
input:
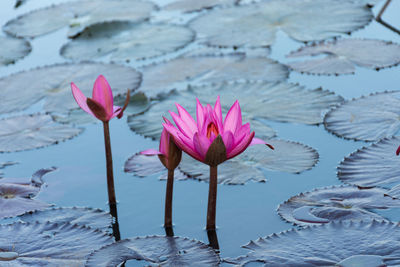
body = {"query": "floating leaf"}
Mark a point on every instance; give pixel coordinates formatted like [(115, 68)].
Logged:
[(342, 56), (144, 165), (6, 164), (32, 131), (16, 199), (178, 73), (36, 179), (339, 243), (127, 41), (272, 101), (49, 244), (369, 118), (78, 15), (342, 202), (187, 6), (160, 250), (21, 90), (376, 165), (13, 49), (287, 157), (83, 216), (256, 24)]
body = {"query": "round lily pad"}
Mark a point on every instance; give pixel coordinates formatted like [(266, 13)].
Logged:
[(6, 164), (36, 180), (287, 157), (342, 202), (198, 70), (339, 243), (145, 165), (256, 24), (371, 166), (32, 131), (127, 41), (258, 100), (16, 199), (369, 118), (83, 216), (342, 56), (19, 91), (49, 244), (13, 49), (78, 15), (160, 250), (187, 6)]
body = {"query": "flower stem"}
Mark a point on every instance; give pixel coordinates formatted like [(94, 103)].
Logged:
[(114, 223), (213, 239), (109, 164), (168, 200), (212, 198)]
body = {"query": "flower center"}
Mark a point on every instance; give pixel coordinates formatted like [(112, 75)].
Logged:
[(212, 128)]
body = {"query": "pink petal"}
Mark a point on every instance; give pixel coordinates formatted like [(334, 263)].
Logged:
[(228, 139), (241, 146), (116, 112), (257, 141), (164, 142), (241, 133), (233, 119), (187, 118), (150, 152), (102, 93), (398, 151), (201, 145), (80, 98), (218, 111), (199, 114), (181, 124)]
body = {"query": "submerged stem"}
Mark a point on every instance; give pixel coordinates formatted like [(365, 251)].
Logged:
[(168, 199), (109, 164), (212, 198)]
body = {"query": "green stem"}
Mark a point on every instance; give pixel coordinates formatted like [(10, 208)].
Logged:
[(109, 164), (212, 198), (168, 200)]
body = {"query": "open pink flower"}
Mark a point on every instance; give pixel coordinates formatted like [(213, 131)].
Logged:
[(169, 154), (196, 138), (101, 105)]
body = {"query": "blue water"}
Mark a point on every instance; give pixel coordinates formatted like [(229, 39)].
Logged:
[(244, 212)]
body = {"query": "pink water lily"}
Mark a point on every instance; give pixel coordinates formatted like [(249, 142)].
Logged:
[(195, 138), (101, 105)]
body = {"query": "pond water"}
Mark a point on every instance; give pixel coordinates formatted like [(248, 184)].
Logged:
[(244, 212)]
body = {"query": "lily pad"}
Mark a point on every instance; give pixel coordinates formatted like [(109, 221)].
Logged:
[(127, 41), (369, 118), (187, 6), (144, 165), (21, 90), (32, 131), (259, 100), (83, 216), (376, 165), (339, 243), (255, 25), (288, 157), (13, 49), (36, 180), (160, 250), (49, 244), (16, 199), (6, 164), (178, 73), (78, 15), (342, 56), (342, 202)]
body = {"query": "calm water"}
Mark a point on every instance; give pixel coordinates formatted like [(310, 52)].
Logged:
[(244, 212)]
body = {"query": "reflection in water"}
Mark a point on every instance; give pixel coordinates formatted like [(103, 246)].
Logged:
[(213, 239), (379, 18), (114, 224)]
